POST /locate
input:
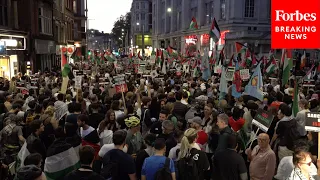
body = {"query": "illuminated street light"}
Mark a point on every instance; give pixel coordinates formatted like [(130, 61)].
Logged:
[(169, 10), (122, 29), (138, 24)]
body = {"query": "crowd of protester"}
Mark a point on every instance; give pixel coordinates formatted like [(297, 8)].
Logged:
[(176, 128)]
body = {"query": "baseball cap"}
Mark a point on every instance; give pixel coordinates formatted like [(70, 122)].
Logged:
[(196, 119)]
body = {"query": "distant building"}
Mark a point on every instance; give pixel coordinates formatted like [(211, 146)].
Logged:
[(246, 21), (141, 25), (99, 40)]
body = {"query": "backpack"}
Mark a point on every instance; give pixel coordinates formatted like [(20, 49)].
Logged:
[(187, 168), (110, 169), (293, 131), (164, 172)]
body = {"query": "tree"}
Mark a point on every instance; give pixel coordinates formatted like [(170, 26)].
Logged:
[(120, 28)]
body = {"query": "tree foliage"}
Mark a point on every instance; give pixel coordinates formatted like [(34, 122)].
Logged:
[(123, 22)]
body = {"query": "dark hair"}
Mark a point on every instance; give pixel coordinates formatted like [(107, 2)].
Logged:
[(119, 137), (95, 106), (33, 159), (35, 125), (164, 111), (150, 139), (71, 129), (115, 105), (159, 144), (285, 109), (84, 118), (232, 141), (178, 96), (60, 97), (185, 95), (59, 133), (86, 154), (16, 105)]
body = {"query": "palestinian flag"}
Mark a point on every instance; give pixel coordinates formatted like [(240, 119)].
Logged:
[(172, 52), (76, 55), (215, 31), (64, 60), (61, 160), (153, 56), (295, 104), (193, 24), (272, 66), (67, 72), (287, 66), (110, 57), (130, 58), (139, 56), (158, 57), (303, 60), (240, 48), (23, 153)]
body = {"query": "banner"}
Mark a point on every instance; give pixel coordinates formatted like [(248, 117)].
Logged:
[(312, 121), (263, 120)]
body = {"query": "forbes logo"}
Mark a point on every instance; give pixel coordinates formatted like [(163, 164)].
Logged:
[(281, 15)]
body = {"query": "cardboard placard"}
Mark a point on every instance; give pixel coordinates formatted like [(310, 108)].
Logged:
[(312, 121), (244, 74), (119, 79), (121, 88), (77, 83), (263, 120), (218, 69), (230, 73)]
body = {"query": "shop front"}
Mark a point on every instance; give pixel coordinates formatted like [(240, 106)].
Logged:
[(12, 49), (45, 55)]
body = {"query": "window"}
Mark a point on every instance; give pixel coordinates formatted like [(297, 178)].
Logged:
[(143, 16), (249, 8), (137, 17), (45, 21), (209, 12), (75, 32), (254, 28), (3, 13), (223, 9), (179, 18), (162, 26), (74, 7), (249, 28), (137, 5)]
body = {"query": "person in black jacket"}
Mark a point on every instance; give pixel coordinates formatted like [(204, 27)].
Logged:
[(34, 143)]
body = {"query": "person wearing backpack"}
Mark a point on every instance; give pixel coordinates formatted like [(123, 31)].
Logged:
[(192, 162), (158, 167), (286, 131), (117, 165)]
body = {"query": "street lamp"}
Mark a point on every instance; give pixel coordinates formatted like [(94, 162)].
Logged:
[(122, 30), (169, 10), (138, 23)]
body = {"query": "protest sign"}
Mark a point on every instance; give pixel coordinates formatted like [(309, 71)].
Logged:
[(263, 120), (312, 121), (244, 74), (230, 73)]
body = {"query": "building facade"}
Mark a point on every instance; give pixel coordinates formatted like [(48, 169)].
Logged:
[(13, 40), (246, 21), (141, 26), (99, 41)]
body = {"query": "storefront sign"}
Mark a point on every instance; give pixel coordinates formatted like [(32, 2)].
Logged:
[(244, 74), (222, 39), (205, 39), (192, 39), (263, 120), (312, 121), (12, 42)]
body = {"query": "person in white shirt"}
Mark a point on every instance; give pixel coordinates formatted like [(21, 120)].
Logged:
[(301, 116), (173, 154)]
